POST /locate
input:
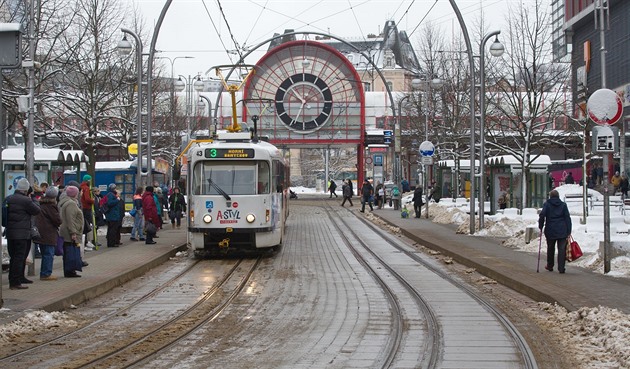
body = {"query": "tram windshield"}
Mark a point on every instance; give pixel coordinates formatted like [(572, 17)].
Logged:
[(231, 178)]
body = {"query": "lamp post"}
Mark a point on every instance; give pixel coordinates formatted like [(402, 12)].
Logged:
[(201, 105), (124, 48), (172, 61), (496, 49), (437, 84), (189, 84)]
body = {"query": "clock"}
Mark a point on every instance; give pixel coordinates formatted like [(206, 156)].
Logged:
[(303, 102)]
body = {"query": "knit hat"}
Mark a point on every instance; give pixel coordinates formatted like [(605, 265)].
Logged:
[(111, 187), (72, 191), (74, 183), (23, 185), (87, 178), (52, 192)]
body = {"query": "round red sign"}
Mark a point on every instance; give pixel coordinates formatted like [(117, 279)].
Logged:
[(604, 107)]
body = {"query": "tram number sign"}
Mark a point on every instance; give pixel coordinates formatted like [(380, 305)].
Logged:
[(229, 153)]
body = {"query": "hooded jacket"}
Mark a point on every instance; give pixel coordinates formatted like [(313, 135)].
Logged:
[(71, 219), (48, 221), (555, 218)]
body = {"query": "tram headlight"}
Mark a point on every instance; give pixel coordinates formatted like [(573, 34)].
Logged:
[(267, 212), (250, 218), (207, 218)]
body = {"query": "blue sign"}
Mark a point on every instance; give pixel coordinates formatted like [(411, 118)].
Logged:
[(378, 160), (209, 204), (426, 148), (387, 136)]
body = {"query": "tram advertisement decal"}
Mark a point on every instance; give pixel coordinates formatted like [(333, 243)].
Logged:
[(228, 216)]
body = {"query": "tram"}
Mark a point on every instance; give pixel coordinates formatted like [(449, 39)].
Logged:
[(238, 194)]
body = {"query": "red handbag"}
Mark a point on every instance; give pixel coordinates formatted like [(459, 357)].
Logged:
[(574, 251)]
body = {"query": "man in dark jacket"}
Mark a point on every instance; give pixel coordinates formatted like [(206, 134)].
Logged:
[(21, 209), (417, 201), (177, 205), (113, 216), (557, 223), (367, 191)]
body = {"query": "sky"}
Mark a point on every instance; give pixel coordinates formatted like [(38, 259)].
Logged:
[(198, 28)]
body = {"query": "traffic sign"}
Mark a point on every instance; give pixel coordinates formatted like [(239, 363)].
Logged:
[(426, 160), (604, 107), (426, 148)]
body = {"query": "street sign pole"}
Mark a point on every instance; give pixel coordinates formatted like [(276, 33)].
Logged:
[(605, 108), (426, 150)]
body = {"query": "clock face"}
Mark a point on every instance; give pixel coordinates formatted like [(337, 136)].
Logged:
[(303, 102)]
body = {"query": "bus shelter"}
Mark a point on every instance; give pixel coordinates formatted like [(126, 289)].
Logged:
[(454, 177), (49, 165), (506, 177)]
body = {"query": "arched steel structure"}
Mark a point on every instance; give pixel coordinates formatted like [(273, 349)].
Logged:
[(366, 56)]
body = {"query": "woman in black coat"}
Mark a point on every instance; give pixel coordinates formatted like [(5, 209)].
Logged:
[(556, 220)]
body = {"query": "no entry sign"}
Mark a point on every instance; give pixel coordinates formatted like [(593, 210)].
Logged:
[(604, 107)]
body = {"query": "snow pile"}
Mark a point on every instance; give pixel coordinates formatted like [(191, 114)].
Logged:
[(34, 322), (597, 337)]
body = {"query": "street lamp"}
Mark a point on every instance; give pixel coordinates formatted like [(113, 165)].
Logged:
[(124, 48), (415, 84), (188, 84), (172, 61), (496, 49), (201, 105)]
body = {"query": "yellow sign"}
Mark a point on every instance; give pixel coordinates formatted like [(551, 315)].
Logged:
[(133, 149)]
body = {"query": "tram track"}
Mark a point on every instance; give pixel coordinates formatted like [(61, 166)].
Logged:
[(435, 329), (527, 355), (139, 342), (432, 343), (117, 312)]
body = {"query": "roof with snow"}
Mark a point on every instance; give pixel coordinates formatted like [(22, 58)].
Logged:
[(17, 154)]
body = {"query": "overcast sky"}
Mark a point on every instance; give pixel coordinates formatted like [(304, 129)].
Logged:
[(198, 28)]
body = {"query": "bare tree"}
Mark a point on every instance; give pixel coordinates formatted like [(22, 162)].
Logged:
[(527, 94)]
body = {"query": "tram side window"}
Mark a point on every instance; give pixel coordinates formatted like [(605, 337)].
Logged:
[(279, 177), (263, 177)]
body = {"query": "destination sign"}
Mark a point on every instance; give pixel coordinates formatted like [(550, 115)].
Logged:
[(229, 153)]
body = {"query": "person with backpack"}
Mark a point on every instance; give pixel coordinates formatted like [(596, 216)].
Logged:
[(332, 186), (396, 197), (18, 210), (111, 209)]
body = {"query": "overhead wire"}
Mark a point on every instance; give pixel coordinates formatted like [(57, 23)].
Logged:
[(216, 30), (227, 23), (255, 23)]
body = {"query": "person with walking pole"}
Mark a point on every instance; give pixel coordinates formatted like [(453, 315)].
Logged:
[(556, 220)]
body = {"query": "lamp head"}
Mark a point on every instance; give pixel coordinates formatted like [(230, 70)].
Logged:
[(198, 85), (497, 49), (179, 85), (436, 83), (124, 46), (416, 83)]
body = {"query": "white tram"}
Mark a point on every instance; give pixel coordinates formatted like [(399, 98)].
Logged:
[(238, 194)]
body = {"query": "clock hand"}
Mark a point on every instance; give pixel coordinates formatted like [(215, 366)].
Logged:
[(297, 117), (298, 96)]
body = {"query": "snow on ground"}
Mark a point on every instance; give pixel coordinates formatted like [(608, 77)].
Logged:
[(594, 337)]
